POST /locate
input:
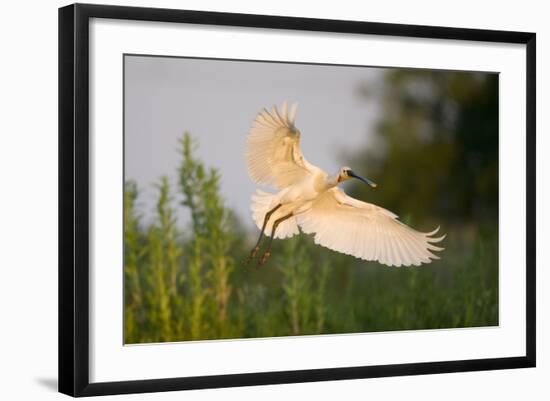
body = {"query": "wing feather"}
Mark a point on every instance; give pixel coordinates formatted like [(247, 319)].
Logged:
[(366, 231), (273, 154), (292, 113)]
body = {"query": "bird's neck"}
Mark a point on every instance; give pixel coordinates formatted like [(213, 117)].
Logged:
[(332, 181)]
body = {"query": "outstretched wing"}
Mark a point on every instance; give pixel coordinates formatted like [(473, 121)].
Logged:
[(366, 231), (273, 154)]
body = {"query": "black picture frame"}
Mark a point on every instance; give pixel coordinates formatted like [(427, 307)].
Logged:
[(74, 198)]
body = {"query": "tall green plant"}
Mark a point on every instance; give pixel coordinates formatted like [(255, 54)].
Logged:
[(211, 241), (303, 291), (165, 273), (133, 254)]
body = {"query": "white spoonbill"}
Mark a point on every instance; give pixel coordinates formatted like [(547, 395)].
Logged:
[(310, 199)]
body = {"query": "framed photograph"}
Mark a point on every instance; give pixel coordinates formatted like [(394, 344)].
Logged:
[(250, 199)]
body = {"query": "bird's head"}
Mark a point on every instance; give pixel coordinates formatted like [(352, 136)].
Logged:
[(347, 173)]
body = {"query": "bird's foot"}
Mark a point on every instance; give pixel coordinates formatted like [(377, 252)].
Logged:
[(263, 259), (252, 254)]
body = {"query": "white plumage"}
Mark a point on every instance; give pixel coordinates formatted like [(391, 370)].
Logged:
[(273, 151), (309, 199)]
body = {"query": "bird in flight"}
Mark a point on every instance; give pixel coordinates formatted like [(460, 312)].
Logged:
[(308, 199)]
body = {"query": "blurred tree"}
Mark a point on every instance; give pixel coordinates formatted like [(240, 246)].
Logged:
[(435, 154)]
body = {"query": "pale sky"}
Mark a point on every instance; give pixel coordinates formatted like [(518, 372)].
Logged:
[(217, 100)]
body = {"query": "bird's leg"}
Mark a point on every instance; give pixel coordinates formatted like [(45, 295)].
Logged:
[(256, 248), (266, 254)]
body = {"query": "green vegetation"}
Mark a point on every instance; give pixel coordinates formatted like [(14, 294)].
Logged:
[(436, 158)]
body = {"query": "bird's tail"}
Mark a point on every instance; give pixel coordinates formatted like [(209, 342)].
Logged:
[(262, 203)]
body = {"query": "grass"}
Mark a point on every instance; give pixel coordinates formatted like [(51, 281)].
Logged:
[(192, 284)]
